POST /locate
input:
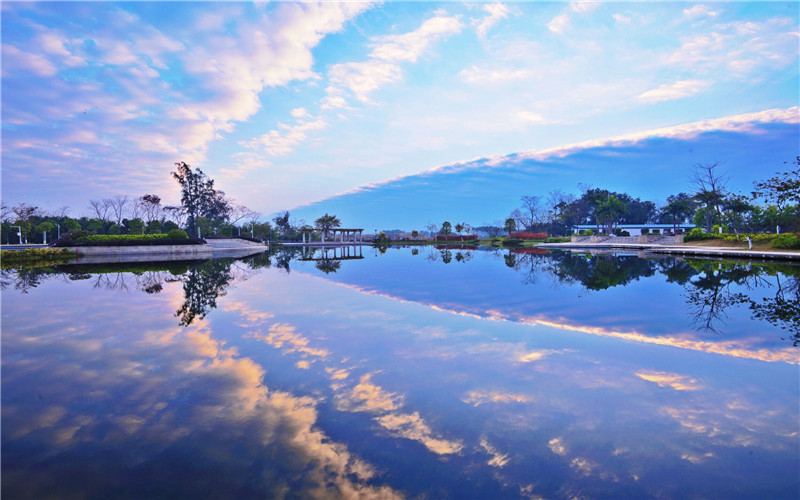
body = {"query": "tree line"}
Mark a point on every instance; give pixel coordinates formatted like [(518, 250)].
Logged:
[(772, 206)]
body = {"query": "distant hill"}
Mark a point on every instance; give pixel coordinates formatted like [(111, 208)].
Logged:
[(484, 190)]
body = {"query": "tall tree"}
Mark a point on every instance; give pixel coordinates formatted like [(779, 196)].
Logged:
[(282, 223), (118, 205), (709, 185), (198, 196), (446, 229), (510, 225), (100, 208), (678, 209), (609, 211)]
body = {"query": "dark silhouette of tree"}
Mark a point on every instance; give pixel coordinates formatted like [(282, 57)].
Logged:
[(201, 287), (709, 186), (326, 223), (198, 196)]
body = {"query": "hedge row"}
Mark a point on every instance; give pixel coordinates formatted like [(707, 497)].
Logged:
[(456, 237), (787, 241), (38, 256), (521, 235)]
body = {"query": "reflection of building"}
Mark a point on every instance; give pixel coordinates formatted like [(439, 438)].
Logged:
[(345, 235), (335, 253), (637, 229)]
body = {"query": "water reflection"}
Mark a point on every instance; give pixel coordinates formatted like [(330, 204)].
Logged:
[(399, 376)]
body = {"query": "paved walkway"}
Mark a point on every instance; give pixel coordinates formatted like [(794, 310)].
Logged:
[(682, 250)]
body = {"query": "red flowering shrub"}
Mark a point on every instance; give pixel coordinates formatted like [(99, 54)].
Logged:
[(519, 235)]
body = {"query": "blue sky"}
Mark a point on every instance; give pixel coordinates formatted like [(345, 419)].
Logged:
[(287, 104)]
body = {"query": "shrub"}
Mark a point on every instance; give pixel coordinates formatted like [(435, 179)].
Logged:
[(558, 239), (697, 234), (787, 241), (35, 257), (521, 235), (456, 237), (587, 232), (177, 234)]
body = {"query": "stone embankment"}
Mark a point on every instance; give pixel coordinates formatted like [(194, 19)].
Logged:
[(662, 244), (159, 253)]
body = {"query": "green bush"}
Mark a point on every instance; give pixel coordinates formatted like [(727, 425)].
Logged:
[(558, 239), (35, 257), (787, 241), (587, 232), (177, 234), (697, 234)]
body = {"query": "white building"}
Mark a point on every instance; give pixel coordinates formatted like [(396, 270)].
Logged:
[(637, 229)]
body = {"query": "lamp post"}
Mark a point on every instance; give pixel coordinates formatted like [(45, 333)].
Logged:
[(19, 233)]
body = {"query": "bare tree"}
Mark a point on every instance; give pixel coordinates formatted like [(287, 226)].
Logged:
[(5, 212), (240, 213), (709, 186), (150, 207), (532, 211), (61, 212), (100, 208), (118, 204)]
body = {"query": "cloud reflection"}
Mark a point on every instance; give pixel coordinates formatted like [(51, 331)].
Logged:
[(170, 402)]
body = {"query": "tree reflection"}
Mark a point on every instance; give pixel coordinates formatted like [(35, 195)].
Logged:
[(201, 287), (592, 271), (720, 285)]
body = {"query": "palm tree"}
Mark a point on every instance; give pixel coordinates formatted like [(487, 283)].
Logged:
[(327, 222), (609, 211)]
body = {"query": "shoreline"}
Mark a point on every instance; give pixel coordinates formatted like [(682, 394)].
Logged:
[(679, 250)]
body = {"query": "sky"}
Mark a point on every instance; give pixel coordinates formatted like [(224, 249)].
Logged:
[(299, 106)]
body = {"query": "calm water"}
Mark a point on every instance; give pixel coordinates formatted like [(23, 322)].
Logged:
[(422, 372)]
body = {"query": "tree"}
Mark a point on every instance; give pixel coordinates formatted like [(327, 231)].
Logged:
[(100, 208), (150, 207), (782, 190), (709, 185), (609, 211), (282, 223), (511, 225), (678, 209), (118, 204), (446, 229), (326, 223), (415, 234), (136, 225), (432, 228), (45, 227), (198, 196), (533, 212)]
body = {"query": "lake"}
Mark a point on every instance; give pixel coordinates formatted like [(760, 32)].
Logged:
[(416, 372)]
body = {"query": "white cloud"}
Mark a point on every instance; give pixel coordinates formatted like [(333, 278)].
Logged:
[(583, 6), (559, 24), (363, 78), (478, 75), (622, 19), (497, 11), (382, 68), (672, 91), (699, 11), (282, 141), (409, 46)]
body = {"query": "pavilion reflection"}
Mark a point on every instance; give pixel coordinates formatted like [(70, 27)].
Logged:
[(329, 259)]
